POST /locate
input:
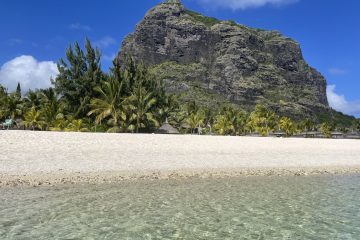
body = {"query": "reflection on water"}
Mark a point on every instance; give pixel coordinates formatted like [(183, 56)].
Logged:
[(323, 207)]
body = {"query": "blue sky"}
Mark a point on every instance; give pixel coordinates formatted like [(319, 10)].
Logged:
[(35, 34)]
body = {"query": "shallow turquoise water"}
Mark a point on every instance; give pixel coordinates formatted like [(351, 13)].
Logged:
[(323, 207)]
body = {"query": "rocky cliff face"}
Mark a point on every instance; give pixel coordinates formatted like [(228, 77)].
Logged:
[(213, 62)]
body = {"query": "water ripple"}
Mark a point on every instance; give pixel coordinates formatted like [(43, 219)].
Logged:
[(323, 207)]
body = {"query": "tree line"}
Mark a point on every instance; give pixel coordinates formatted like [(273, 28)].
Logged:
[(130, 99)]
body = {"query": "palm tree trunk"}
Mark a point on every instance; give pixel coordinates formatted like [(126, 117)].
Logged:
[(137, 124)]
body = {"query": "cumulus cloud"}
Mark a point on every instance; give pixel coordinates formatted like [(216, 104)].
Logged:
[(243, 4), (78, 26), (27, 71), (105, 42), (339, 102)]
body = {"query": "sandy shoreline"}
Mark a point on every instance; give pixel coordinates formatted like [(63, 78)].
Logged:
[(37, 158)]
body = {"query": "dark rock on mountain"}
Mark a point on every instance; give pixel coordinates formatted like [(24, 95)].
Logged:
[(215, 62)]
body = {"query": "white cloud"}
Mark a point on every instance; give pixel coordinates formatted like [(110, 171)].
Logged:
[(27, 71), (78, 26), (339, 102), (105, 42), (337, 71), (243, 4)]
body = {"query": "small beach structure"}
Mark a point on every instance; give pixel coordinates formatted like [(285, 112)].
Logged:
[(337, 134), (278, 134), (7, 124), (166, 128), (353, 135), (312, 134)]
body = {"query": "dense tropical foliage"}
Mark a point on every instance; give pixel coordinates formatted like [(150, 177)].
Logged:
[(129, 99)]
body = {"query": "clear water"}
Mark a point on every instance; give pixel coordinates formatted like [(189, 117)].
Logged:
[(239, 208)]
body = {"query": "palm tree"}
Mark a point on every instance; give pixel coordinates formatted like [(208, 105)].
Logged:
[(195, 120), (223, 125), (32, 99), (287, 125), (13, 106), (237, 118), (33, 119), (240, 123), (3, 103), (307, 125), (169, 109), (229, 114), (209, 118), (191, 108), (111, 104), (51, 107), (60, 123), (178, 119), (77, 125), (326, 128), (142, 103), (262, 120)]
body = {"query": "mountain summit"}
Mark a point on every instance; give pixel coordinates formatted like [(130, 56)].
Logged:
[(173, 1), (213, 62)]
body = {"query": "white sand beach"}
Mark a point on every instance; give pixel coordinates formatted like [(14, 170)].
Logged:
[(51, 157)]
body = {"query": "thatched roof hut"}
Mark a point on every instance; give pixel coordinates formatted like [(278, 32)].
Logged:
[(166, 128)]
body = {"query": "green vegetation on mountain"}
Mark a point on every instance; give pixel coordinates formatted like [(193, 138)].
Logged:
[(208, 21)]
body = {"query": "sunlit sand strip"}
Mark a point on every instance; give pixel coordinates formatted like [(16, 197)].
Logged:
[(48, 157)]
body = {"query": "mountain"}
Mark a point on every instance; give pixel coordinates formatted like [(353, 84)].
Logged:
[(213, 62)]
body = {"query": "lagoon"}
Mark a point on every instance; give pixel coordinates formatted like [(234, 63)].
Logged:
[(313, 207)]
